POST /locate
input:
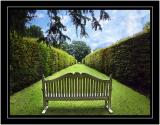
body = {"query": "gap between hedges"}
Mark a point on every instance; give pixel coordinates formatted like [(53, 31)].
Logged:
[(29, 60), (128, 61)]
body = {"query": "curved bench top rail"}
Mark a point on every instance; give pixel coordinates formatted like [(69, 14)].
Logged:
[(75, 75)]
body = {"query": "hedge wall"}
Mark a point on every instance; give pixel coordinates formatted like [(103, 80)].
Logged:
[(94, 60), (128, 61), (28, 60)]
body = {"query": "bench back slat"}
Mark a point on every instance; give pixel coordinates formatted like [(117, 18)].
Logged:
[(76, 86)]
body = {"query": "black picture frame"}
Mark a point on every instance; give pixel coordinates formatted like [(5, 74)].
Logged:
[(152, 5)]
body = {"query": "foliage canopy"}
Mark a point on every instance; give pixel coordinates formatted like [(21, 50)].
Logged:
[(18, 18), (79, 49), (146, 27), (34, 31)]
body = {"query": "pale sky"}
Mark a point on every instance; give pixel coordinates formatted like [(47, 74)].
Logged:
[(123, 23)]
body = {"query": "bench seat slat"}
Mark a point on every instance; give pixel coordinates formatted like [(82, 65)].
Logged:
[(58, 91), (52, 89), (50, 85), (88, 86), (77, 87), (56, 87), (47, 89), (76, 98), (84, 87), (74, 81), (101, 88), (80, 87), (69, 87), (72, 86), (64, 82), (91, 87)]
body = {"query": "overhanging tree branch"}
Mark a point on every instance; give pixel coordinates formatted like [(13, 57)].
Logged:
[(79, 19)]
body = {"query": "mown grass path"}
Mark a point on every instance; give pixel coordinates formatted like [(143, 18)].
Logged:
[(125, 101)]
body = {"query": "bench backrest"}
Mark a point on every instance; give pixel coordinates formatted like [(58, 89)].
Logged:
[(76, 85)]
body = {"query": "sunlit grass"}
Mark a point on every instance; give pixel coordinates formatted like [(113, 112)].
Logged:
[(125, 101)]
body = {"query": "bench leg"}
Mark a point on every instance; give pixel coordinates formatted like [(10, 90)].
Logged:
[(108, 106), (44, 110), (47, 103), (45, 106)]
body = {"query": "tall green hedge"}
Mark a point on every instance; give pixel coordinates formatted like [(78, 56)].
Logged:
[(128, 61), (29, 60), (95, 60)]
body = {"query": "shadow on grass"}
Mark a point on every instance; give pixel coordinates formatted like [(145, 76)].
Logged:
[(98, 110)]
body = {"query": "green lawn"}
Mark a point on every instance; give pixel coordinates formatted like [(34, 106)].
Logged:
[(125, 101)]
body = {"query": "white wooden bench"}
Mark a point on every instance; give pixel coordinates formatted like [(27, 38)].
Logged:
[(77, 86)]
